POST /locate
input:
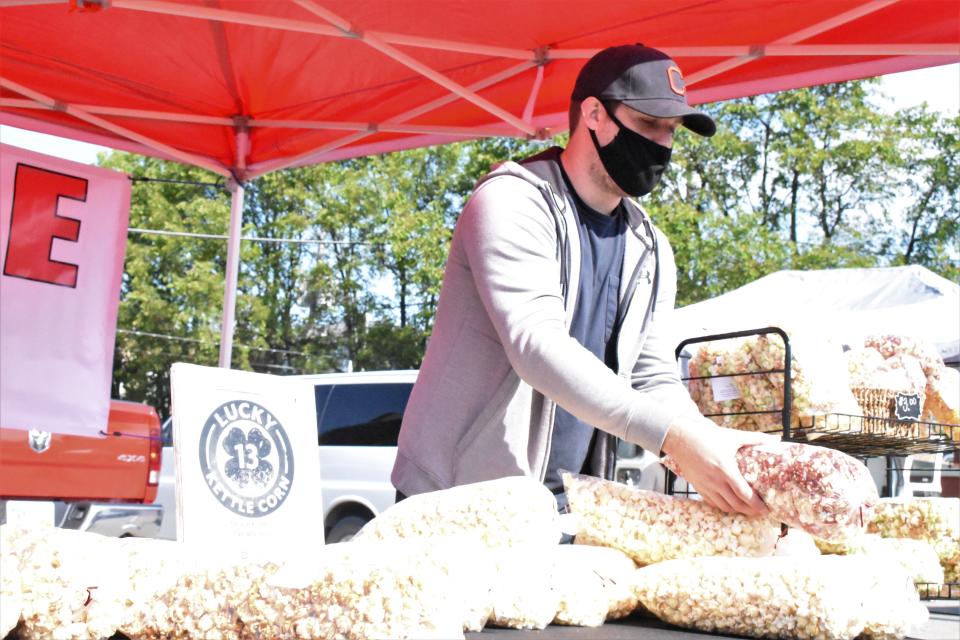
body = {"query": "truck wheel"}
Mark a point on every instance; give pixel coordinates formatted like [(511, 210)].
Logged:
[(345, 528)]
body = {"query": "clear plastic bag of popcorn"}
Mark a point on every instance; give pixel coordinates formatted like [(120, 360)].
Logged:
[(891, 602), (918, 558), (868, 368), (594, 584), (206, 601), (822, 491), (897, 350), (948, 552), (454, 558), (651, 527), (523, 596), (472, 597), (153, 567), (781, 597), (162, 577), (718, 395), (503, 512), (862, 365), (819, 382), (890, 364), (943, 401), (112, 594), (10, 587), (348, 591), (876, 384), (60, 574), (916, 518)]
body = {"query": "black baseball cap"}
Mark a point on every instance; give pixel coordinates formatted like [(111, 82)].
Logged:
[(644, 79)]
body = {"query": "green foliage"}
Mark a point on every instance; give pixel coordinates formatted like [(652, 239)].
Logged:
[(807, 179), (172, 286), (810, 179), (388, 346), (716, 253), (932, 157)]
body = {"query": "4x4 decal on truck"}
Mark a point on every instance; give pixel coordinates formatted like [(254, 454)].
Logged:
[(246, 458)]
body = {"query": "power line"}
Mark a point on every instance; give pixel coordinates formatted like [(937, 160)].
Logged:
[(264, 365), (166, 336), (195, 183), (163, 335), (217, 236)]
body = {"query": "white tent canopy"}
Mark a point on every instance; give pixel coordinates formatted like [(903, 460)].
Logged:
[(846, 304)]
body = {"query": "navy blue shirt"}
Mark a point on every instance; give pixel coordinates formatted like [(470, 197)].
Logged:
[(594, 321)]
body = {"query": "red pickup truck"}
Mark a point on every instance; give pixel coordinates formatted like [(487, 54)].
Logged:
[(120, 467)]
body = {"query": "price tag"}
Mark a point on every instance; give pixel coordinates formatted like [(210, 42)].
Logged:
[(908, 406), (724, 390)]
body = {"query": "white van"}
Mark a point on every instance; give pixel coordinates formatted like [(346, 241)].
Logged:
[(358, 420)]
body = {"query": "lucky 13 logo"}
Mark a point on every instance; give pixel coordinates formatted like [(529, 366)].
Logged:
[(246, 458)]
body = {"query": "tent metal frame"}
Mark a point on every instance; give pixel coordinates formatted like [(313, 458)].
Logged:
[(541, 126)]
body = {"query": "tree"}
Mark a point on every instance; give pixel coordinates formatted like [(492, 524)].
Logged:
[(336, 292), (407, 204), (931, 185), (346, 261), (172, 286), (809, 179), (277, 210), (411, 231)]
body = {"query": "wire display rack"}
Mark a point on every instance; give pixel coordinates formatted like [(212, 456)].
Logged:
[(861, 436), (934, 591), (885, 437), (783, 411)]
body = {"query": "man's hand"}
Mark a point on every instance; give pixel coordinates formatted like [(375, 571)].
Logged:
[(707, 455)]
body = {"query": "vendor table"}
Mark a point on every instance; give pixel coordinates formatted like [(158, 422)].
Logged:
[(631, 628), (944, 624)]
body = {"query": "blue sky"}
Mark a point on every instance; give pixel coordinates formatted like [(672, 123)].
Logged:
[(939, 87)]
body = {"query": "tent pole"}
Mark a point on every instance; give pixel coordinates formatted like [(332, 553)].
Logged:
[(426, 71), (793, 38), (307, 157), (233, 268), (531, 101), (303, 26)]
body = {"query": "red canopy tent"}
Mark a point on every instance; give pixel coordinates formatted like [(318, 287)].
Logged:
[(245, 87)]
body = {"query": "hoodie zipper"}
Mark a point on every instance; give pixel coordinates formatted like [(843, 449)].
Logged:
[(635, 277), (563, 250)]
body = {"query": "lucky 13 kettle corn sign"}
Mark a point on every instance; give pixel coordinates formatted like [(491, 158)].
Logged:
[(246, 458), (247, 466)]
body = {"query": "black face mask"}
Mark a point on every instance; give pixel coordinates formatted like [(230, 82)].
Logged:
[(634, 163)]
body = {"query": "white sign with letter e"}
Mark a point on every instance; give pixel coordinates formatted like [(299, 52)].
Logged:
[(63, 234), (248, 471)]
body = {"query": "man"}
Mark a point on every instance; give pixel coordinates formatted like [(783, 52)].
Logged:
[(550, 339)]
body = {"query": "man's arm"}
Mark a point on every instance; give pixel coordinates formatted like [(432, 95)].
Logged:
[(707, 454), (509, 239), (655, 373), (705, 451)]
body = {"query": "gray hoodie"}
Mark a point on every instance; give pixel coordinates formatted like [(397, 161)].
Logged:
[(501, 357)]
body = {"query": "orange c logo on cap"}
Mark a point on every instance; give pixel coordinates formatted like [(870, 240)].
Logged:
[(676, 81)]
